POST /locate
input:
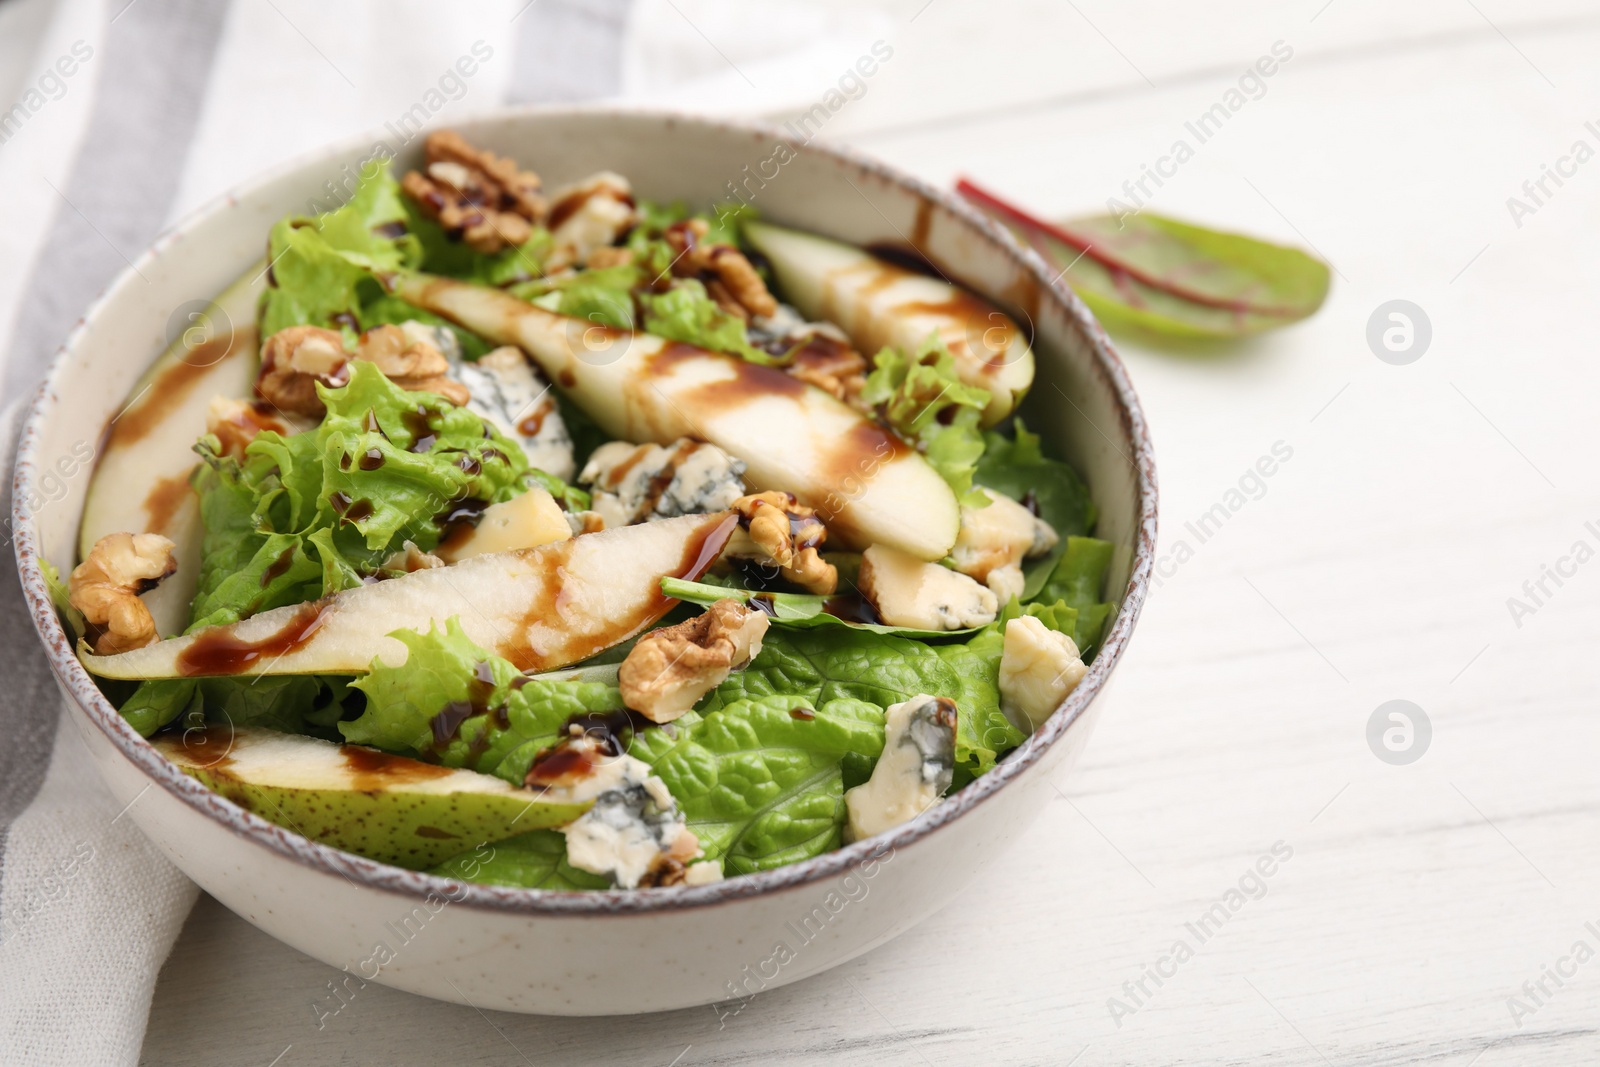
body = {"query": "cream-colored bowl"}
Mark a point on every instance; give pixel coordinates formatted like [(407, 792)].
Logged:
[(606, 952)]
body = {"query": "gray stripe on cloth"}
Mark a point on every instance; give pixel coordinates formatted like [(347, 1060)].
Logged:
[(158, 56), (568, 50), (32, 703)]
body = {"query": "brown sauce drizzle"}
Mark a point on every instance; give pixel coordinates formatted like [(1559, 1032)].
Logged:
[(620, 469), (423, 435), (220, 651), (922, 223), (164, 500), (210, 747), (371, 459), (447, 723), (852, 607), (173, 384), (350, 511), (803, 714), (277, 567), (750, 382), (533, 422), (906, 257), (237, 431), (699, 553), (465, 510), (374, 770)]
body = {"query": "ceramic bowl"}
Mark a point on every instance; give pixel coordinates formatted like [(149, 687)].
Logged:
[(603, 952)]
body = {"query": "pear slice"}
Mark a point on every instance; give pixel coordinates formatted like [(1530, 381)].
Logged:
[(141, 482), (879, 304), (540, 608), (388, 808), (867, 484)]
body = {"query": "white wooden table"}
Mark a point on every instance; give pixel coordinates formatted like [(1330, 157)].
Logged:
[(1375, 565)]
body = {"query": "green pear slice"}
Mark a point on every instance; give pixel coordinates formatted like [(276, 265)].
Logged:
[(141, 482), (879, 304), (541, 608), (388, 808), (868, 485)]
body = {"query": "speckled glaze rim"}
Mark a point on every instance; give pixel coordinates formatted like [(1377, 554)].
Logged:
[(78, 684)]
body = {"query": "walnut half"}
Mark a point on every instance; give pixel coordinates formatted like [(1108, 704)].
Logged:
[(106, 588), (729, 278), (670, 669), (479, 198), (295, 359), (780, 529)]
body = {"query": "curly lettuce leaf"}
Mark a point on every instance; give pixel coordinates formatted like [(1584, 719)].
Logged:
[(687, 313), (601, 295), (378, 470), (759, 785), (297, 703), (1018, 468), (274, 534), (458, 703), (322, 269), (924, 401)]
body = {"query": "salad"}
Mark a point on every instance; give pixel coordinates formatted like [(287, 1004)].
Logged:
[(565, 540)]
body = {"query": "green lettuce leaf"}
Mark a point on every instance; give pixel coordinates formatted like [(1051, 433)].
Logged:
[(602, 295), (686, 313), (1019, 469), (273, 535), (924, 401), (536, 860), (1077, 583), (497, 721), (761, 786), (300, 704), (321, 270), (441, 254), (790, 609), (390, 310)]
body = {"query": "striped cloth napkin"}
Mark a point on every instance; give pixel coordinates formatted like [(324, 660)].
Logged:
[(118, 117)]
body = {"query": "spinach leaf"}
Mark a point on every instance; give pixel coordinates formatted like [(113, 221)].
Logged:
[(791, 609), (1018, 468)]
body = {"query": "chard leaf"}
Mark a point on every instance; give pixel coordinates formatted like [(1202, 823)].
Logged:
[(791, 609), (1169, 277)]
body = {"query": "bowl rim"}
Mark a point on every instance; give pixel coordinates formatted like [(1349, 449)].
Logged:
[(372, 874)]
